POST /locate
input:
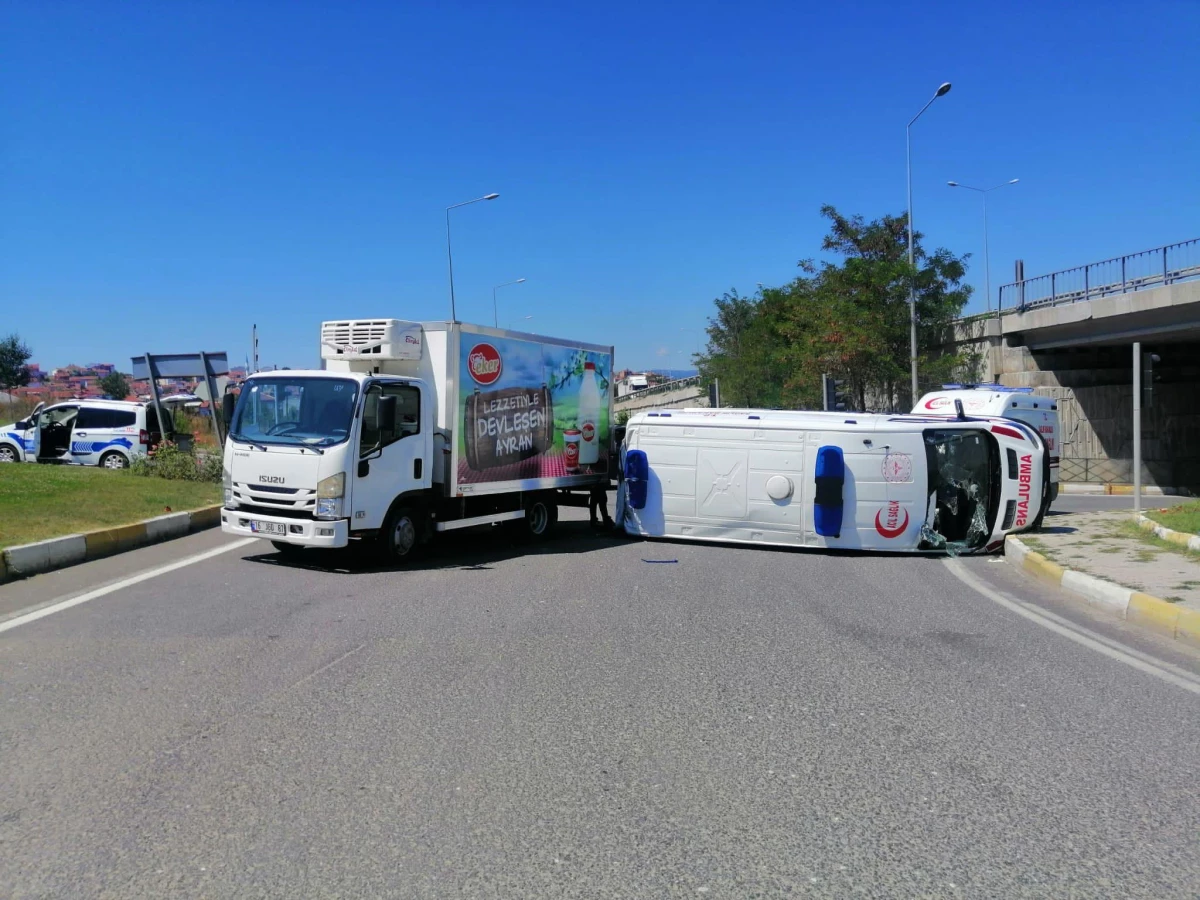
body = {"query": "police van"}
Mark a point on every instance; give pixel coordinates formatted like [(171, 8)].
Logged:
[(107, 433), (1019, 404), (815, 480)]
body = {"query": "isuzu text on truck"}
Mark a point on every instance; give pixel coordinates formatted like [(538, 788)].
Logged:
[(831, 480), (411, 429)]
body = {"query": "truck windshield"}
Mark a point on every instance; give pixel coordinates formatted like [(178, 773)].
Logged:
[(964, 489), (314, 412)]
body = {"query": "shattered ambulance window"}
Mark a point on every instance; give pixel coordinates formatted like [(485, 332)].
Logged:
[(964, 481)]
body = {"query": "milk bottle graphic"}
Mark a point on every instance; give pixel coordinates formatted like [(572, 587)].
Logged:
[(589, 417)]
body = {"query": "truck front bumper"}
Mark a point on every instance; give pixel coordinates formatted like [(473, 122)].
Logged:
[(302, 532)]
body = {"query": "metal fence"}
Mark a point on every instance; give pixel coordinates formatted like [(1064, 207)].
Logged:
[(1136, 271)]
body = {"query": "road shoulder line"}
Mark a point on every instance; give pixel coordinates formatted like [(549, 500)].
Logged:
[(42, 612), (1077, 633)]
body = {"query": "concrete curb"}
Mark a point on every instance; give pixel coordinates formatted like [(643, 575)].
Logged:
[(1183, 539), (58, 553), (1085, 487), (1133, 606)]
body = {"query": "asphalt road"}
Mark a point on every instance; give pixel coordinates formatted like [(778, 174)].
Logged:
[(598, 718)]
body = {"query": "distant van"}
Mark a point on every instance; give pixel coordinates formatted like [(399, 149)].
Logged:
[(107, 433)]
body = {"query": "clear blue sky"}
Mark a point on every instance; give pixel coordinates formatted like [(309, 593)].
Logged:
[(171, 173)]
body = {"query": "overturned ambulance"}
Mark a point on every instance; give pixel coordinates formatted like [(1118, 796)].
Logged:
[(901, 483)]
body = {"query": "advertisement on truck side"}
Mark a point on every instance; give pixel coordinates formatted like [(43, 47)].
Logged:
[(529, 410)]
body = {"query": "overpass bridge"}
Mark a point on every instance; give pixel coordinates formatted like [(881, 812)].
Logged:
[(680, 392), (1070, 334)]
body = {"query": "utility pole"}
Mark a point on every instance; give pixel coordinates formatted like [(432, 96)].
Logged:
[(1137, 427)]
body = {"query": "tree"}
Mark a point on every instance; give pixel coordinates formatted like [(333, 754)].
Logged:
[(848, 318), (14, 356), (744, 349), (115, 385)]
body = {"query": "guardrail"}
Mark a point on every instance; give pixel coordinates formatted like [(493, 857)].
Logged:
[(663, 387), (1120, 275)]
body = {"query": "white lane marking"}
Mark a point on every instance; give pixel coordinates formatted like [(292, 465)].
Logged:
[(18, 621), (1080, 635)]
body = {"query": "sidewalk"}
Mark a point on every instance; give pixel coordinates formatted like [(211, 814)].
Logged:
[(1110, 546)]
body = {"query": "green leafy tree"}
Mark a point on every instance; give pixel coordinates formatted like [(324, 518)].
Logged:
[(745, 349), (115, 385), (14, 359), (848, 318)]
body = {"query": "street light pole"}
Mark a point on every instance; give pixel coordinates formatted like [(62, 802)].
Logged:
[(987, 262), (450, 256), (912, 282), (496, 309)]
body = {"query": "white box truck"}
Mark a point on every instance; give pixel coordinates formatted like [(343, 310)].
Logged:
[(830, 480), (411, 429), (1019, 404)]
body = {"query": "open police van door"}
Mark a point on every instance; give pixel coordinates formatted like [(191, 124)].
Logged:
[(19, 440)]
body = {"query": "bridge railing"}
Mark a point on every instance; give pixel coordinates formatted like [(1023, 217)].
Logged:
[(1120, 275)]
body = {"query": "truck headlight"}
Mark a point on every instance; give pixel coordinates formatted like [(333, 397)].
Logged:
[(227, 488), (332, 487), (329, 508)]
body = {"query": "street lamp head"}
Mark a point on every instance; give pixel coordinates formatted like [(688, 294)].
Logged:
[(952, 183), (943, 90), (494, 196)]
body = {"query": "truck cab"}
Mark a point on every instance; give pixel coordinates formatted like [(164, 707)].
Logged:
[(313, 455)]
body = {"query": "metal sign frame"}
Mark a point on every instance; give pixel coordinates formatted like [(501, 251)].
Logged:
[(206, 365)]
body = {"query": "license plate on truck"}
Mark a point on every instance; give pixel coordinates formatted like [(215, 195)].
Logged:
[(267, 527)]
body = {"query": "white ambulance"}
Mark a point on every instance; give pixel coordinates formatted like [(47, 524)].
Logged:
[(814, 480), (1019, 404), (107, 433)]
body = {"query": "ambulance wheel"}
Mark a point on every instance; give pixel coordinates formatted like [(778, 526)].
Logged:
[(113, 460), (289, 550), (400, 538), (7, 453), (541, 515)]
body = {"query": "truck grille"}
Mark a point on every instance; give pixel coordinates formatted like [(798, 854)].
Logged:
[(275, 500)]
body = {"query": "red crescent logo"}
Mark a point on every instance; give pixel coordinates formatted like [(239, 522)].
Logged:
[(937, 402), (892, 517)]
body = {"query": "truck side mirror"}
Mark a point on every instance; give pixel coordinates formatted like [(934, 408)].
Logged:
[(227, 403), (387, 416)]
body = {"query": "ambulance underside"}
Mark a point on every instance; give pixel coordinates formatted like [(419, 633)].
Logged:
[(873, 483)]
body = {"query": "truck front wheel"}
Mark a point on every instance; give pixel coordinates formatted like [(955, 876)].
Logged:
[(400, 538)]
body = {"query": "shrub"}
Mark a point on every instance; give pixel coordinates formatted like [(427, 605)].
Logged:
[(174, 464)]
